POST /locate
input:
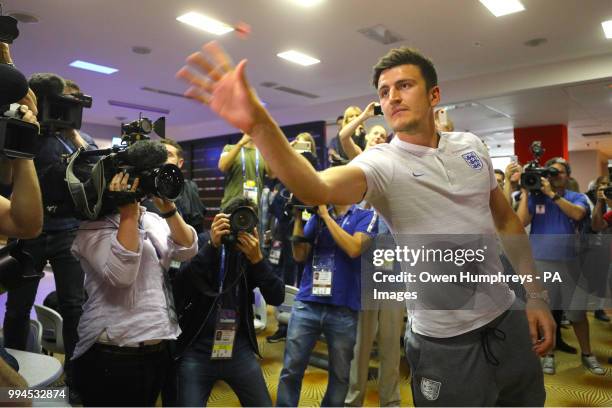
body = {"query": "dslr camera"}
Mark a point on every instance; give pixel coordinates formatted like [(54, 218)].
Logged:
[(531, 177), (242, 219)]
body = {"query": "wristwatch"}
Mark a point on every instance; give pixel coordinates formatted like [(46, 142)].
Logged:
[(556, 197), (542, 295)]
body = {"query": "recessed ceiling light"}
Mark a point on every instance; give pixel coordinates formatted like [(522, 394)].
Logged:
[(205, 23), (93, 67), (502, 7), (298, 58), (607, 27), (308, 3)]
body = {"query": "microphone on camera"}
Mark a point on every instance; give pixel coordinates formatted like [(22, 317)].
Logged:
[(46, 84), (145, 154), (13, 85)]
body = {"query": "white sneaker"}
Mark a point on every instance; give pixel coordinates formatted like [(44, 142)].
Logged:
[(591, 363), (548, 364)]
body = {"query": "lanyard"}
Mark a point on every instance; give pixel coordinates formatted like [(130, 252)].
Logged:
[(222, 269), (70, 149), (242, 159)]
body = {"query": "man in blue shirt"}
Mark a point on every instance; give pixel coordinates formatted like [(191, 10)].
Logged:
[(329, 298), (554, 214)]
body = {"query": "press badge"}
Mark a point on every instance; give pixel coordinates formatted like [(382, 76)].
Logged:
[(540, 209), (249, 189), (225, 334), (275, 252), (322, 271)]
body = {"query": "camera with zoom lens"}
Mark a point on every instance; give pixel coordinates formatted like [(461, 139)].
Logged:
[(531, 177), (242, 219)]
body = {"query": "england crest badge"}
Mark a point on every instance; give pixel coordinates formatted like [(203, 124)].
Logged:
[(472, 159), (430, 389)]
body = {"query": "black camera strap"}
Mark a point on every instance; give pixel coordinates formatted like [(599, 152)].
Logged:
[(77, 189)]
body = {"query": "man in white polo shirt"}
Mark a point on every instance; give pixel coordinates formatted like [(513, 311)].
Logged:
[(424, 182)]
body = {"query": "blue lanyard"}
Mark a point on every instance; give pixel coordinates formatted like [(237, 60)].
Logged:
[(70, 149), (244, 165), (222, 269)]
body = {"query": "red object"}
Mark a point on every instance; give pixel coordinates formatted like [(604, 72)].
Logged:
[(243, 30), (553, 138)]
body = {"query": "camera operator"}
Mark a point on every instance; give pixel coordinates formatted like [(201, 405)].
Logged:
[(188, 203), (214, 292), (557, 210), (122, 355), (52, 245), (329, 299)]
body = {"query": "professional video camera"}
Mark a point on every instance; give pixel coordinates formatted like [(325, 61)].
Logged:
[(18, 139), (531, 177), (88, 173), (243, 219), (56, 110)]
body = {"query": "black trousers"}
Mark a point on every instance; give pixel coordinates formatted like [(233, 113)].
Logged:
[(55, 248), (121, 376)]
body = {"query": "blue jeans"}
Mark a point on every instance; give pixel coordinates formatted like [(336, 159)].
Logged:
[(308, 320), (197, 375)]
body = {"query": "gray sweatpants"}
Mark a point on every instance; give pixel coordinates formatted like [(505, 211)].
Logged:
[(490, 366)]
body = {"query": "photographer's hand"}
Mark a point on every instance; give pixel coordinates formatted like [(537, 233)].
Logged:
[(220, 227), (546, 188), (249, 245), (179, 230)]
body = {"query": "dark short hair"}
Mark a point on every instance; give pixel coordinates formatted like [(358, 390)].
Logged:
[(236, 202), (500, 172), (71, 84), (559, 160), (179, 149), (406, 56)]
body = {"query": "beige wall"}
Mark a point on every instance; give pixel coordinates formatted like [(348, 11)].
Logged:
[(587, 165)]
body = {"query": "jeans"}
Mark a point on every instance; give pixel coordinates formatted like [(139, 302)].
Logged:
[(197, 375), (308, 320), (68, 275), (121, 376)]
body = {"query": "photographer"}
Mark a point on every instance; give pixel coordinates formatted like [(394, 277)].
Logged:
[(377, 134), (554, 213), (122, 355), (215, 299), (53, 244), (357, 133), (329, 298)]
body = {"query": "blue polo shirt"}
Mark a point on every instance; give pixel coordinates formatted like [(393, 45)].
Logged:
[(346, 276), (549, 220)]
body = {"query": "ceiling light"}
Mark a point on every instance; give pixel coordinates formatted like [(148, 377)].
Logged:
[(502, 7), (607, 27), (308, 3), (205, 23), (298, 58), (93, 67)]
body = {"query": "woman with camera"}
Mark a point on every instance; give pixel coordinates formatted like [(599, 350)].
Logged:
[(215, 295), (122, 354), (352, 127)]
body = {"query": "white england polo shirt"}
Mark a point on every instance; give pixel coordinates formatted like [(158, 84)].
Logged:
[(444, 190)]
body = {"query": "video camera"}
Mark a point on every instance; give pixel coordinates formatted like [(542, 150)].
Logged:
[(88, 173), (531, 177), (56, 110)]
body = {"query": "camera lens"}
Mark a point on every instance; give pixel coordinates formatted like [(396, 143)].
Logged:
[(169, 182), (243, 219)]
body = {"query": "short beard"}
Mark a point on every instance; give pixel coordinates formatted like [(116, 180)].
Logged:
[(409, 127)]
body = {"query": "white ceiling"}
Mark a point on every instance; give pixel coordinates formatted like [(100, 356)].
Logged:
[(562, 81)]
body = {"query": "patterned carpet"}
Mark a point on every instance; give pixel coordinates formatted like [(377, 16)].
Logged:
[(571, 386)]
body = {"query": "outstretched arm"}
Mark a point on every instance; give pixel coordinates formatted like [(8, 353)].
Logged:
[(216, 83)]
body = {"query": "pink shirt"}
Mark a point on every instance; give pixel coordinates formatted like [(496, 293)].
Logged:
[(126, 290)]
